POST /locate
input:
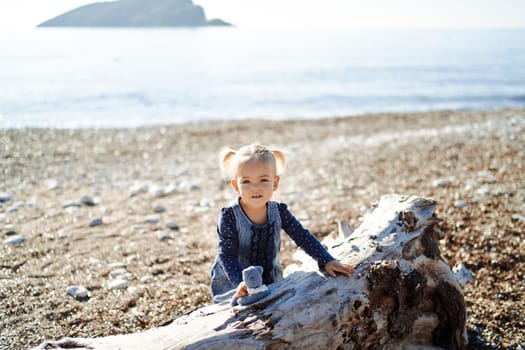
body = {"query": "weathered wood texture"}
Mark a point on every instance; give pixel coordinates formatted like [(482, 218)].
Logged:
[(402, 296)]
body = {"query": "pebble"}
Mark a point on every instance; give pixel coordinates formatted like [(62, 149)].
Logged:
[(190, 186), (15, 240), (159, 209), (441, 183), (158, 192), (94, 262), (172, 225), (52, 184), (4, 197), (164, 236), (12, 209), (9, 229), (32, 203), (87, 200), (147, 279), (78, 292), (95, 222), (518, 217), (132, 258), (137, 291), (116, 265), (120, 273), (69, 204), (118, 284), (460, 204), (483, 190), (171, 188), (137, 227), (152, 219), (137, 189)]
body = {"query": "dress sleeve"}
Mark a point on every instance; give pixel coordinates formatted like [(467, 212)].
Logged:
[(228, 247), (302, 237)]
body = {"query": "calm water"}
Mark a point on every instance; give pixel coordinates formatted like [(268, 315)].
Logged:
[(127, 78)]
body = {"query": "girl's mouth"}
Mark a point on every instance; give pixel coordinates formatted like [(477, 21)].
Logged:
[(256, 196)]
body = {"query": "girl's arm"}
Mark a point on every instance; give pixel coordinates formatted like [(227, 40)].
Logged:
[(302, 237), (311, 245), (228, 248)]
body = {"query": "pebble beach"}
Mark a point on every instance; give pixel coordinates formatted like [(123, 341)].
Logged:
[(112, 231)]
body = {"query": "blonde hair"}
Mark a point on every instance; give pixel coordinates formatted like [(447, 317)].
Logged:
[(230, 160)]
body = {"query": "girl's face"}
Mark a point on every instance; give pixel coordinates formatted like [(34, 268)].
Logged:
[(255, 183)]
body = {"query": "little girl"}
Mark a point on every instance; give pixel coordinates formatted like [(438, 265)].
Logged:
[(249, 228)]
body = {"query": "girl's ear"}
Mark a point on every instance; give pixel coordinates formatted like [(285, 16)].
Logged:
[(235, 185), (276, 182)]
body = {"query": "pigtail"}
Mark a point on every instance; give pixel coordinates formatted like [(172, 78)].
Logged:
[(225, 160), (280, 161)]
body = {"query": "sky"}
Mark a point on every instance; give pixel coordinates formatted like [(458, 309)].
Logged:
[(27, 14)]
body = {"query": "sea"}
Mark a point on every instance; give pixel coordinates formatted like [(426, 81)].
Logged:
[(127, 78)]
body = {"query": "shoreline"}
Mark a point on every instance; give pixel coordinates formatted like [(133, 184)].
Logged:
[(328, 118), (158, 192)]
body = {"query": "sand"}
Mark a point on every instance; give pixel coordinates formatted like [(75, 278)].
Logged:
[(157, 193)]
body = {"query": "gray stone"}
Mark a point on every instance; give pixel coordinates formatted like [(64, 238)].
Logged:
[(147, 279), (94, 262), (159, 209), (171, 188), (194, 187), (118, 284), (95, 222), (137, 189), (69, 204), (87, 200), (460, 204), (518, 217), (4, 197), (172, 225), (32, 203), (52, 184), (158, 192), (12, 209), (120, 273), (9, 230), (483, 191), (78, 292), (441, 183), (15, 240), (117, 264), (164, 236), (152, 219)]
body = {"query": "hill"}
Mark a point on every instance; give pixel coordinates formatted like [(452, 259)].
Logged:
[(135, 13)]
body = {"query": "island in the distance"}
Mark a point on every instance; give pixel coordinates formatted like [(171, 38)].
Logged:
[(135, 13)]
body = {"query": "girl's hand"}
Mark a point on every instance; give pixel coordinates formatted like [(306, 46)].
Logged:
[(334, 266)]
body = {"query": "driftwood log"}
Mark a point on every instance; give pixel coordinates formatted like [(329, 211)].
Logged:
[(402, 296)]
